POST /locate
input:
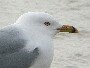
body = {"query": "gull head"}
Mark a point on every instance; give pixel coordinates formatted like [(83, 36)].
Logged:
[(40, 22)]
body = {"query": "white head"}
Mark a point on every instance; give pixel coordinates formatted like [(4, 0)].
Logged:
[(40, 21)]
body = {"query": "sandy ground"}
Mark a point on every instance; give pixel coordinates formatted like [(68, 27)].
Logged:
[(71, 50)]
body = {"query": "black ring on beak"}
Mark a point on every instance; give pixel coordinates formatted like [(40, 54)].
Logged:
[(73, 30)]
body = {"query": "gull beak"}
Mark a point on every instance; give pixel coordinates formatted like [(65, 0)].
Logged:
[(67, 28)]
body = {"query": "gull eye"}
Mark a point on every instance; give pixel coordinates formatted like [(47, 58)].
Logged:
[(47, 23)]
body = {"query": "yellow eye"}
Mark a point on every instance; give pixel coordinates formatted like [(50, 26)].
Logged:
[(47, 23)]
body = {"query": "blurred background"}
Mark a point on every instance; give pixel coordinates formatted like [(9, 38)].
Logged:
[(71, 50)]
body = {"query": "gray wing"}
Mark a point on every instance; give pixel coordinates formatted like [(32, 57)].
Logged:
[(12, 54), (11, 40)]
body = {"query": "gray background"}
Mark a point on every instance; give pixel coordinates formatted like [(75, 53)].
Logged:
[(71, 50)]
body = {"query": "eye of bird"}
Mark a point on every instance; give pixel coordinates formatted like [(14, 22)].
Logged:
[(47, 23)]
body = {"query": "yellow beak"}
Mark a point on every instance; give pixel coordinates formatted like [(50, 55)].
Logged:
[(67, 28)]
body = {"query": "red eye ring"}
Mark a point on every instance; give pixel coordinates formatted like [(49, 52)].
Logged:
[(47, 23)]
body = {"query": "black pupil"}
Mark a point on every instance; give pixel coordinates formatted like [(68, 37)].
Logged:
[(47, 23)]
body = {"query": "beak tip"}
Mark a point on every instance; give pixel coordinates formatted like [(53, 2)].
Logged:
[(74, 30)]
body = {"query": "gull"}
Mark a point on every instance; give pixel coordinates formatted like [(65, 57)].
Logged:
[(28, 43)]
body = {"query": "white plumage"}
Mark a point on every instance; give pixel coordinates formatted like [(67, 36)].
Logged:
[(28, 42)]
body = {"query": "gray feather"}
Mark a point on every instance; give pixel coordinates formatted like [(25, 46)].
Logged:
[(12, 54), (10, 40)]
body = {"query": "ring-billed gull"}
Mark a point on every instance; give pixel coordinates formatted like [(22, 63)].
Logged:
[(28, 42)]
